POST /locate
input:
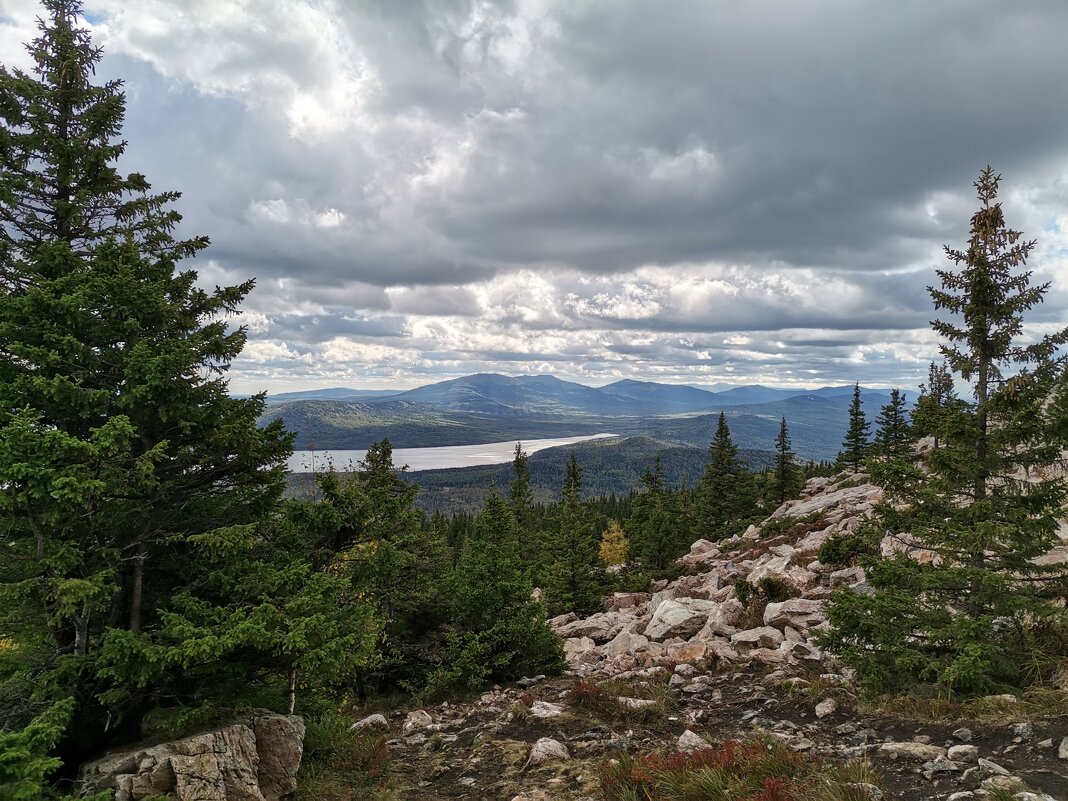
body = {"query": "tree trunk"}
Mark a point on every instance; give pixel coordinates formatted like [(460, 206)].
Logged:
[(136, 594), (292, 690)]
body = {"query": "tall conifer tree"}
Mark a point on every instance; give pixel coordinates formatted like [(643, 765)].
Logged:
[(856, 443), (786, 478), (725, 491), (982, 507)]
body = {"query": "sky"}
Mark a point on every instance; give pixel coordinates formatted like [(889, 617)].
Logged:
[(688, 192)]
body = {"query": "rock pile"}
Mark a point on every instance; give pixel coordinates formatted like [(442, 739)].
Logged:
[(701, 618), (256, 758)]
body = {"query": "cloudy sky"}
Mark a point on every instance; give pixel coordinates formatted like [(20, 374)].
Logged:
[(691, 192)]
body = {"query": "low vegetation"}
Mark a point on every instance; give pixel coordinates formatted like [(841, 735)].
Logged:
[(757, 769)]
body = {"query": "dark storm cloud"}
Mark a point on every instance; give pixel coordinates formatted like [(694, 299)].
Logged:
[(606, 188)]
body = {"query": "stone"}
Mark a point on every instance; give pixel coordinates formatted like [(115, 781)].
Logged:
[(254, 759), (544, 709), (375, 721), (1062, 749), (1023, 730), (762, 637), (681, 617), (800, 613), (547, 750), (825, 708), (911, 750), (626, 643), (576, 646), (992, 767), (963, 753), (600, 627), (963, 734), (416, 720), (686, 651), (635, 703), (690, 742), (532, 795)]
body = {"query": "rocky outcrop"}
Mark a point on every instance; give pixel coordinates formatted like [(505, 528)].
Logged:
[(255, 758)]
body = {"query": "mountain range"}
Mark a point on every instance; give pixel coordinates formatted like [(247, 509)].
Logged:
[(488, 407)]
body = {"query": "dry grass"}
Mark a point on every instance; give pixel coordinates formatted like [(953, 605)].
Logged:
[(602, 701), (1037, 703)]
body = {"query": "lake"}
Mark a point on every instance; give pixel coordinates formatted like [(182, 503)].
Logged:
[(432, 458)]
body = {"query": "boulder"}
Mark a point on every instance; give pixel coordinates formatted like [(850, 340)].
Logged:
[(544, 709), (762, 637), (681, 617), (690, 742), (376, 721), (600, 627), (416, 720), (626, 643), (547, 750), (799, 613), (256, 758)]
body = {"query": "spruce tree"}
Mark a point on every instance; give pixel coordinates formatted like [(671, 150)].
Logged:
[(961, 617), (893, 435), (786, 477), (120, 447), (855, 445), (574, 574), (653, 524), (725, 492), (521, 501), (936, 398), (497, 632)]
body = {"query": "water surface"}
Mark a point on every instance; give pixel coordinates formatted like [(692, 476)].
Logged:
[(431, 458)]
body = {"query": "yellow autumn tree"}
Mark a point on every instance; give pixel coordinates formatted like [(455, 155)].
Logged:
[(614, 544)]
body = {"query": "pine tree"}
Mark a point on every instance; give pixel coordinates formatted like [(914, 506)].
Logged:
[(855, 445), (937, 396), (725, 492), (574, 575), (893, 435), (786, 478), (961, 618)]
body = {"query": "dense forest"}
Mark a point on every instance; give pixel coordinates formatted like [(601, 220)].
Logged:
[(153, 570)]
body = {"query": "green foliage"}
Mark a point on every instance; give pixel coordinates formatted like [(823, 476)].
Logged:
[(725, 494), (847, 548), (893, 434), (496, 631), (25, 755), (950, 618), (856, 443), (786, 478), (342, 764), (658, 527), (575, 577), (937, 398)]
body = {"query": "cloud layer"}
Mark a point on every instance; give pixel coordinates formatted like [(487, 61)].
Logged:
[(690, 192)]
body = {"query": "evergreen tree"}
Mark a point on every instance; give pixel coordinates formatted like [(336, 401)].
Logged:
[(653, 525), (121, 451), (725, 492), (855, 445), (521, 500), (937, 396), (960, 618), (893, 435), (497, 632), (786, 478), (575, 576), (58, 148)]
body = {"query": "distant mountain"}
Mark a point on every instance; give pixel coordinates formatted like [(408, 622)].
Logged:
[(489, 393), (663, 398), (488, 407), (332, 393)]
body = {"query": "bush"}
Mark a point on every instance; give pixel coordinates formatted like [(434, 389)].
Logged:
[(846, 549), (341, 764), (757, 769)]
